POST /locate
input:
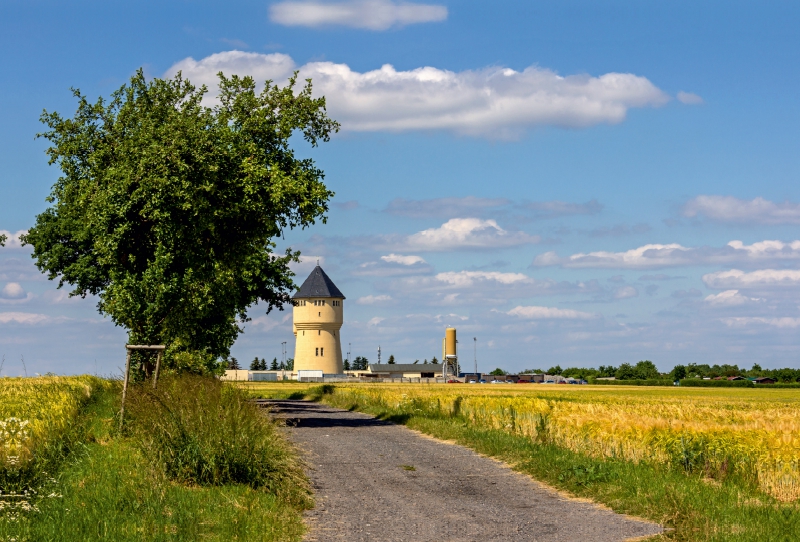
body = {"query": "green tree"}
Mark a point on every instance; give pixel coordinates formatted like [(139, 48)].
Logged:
[(434, 360), (646, 370), (255, 365), (359, 364), (3, 240), (233, 364), (167, 209), (346, 365), (391, 360), (498, 372), (554, 370), (274, 365), (678, 372), (290, 364), (263, 365), (626, 372), (581, 373), (606, 371)]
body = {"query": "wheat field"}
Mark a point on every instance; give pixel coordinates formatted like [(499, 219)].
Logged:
[(711, 432), (35, 411)]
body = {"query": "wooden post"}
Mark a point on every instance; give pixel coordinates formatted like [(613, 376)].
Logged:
[(125, 385), (158, 364)]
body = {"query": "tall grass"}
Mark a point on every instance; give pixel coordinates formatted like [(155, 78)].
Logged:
[(109, 486), (199, 431)]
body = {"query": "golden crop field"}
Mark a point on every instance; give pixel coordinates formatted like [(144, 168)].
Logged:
[(712, 431), (34, 411)]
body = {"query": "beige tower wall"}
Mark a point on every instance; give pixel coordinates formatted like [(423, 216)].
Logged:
[(318, 345)]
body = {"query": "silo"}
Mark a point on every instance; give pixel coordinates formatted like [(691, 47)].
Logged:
[(450, 348), (449, 353)]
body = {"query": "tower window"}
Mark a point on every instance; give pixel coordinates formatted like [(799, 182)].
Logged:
[(321, 350), (316, 352), (319, 332), (319, 314)]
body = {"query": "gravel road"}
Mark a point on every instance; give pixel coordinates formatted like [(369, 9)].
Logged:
[(376, 481)]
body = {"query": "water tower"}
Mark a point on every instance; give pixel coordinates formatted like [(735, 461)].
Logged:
[(317, 318)]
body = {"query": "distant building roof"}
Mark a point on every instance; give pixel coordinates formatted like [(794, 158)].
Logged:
[(405, 367), (318, 284)]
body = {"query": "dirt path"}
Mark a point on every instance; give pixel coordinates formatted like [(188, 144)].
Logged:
[(376, 481)]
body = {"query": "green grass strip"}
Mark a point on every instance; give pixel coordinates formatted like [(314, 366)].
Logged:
[(109, 491)]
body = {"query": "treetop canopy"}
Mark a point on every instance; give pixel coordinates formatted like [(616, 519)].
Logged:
[(167, 209)]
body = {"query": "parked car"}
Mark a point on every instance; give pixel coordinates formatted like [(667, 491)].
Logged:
[(473, 381), (451, 381), (482, 381), (523, 381), (496, 382)]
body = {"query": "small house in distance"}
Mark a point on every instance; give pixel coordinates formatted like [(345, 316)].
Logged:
[(764, 380)]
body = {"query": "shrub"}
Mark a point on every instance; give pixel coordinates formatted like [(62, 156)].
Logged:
[(200, 431), (633, 382), (698, 383)]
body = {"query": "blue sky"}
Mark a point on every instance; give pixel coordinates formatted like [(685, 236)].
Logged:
[(573, 183)]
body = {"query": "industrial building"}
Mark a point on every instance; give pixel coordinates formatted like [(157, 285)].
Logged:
[(402, 370)]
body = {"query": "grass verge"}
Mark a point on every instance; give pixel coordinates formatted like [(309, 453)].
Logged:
[(692, 507), (108, 490)]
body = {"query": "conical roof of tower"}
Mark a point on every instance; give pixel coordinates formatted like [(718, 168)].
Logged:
[(318, 284)]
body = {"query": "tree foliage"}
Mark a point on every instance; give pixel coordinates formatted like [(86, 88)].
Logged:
[(167, 209), (359, 364)]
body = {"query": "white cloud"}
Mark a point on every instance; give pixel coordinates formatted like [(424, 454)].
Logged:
[(689, 98), (762, 278), (369, 14), (373, 299), (491, 102), (658, 255), (463, 279), (653, 255), (402, 260), (266, 323), (731, 209), (275, 67), (535, 312), (728, 298), (626, 292), (375, 321), (13, 293), (12, 290), (784, 322), (461, 233), (28, 318), (13, 238)]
